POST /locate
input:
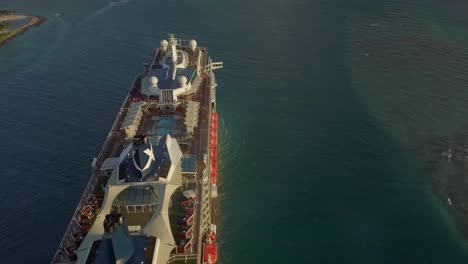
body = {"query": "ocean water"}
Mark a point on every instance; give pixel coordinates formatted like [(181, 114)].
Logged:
[(330, 110)]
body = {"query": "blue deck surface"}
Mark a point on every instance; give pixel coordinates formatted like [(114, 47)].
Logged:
[(189, 164), (105, 253)]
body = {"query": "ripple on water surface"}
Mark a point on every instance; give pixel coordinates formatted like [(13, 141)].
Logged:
[(408, 66)]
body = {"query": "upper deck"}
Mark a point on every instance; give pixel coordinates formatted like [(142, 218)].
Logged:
[(147, 168)]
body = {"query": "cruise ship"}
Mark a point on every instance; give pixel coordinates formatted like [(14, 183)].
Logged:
[(152, 195)]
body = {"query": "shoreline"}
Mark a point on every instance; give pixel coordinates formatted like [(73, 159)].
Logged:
[(35, 22)]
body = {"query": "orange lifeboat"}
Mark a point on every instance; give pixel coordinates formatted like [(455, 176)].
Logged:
[(210, 253), (88, 212)]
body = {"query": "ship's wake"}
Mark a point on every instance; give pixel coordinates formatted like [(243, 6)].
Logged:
[(64, 28), (61, 28), (227, 152), (106, 8)]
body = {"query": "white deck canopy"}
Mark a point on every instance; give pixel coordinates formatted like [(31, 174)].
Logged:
[(132, 119), (158, 225), (109, 164), (191, 116)]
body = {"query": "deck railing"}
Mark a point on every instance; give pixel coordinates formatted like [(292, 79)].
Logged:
[(137, 208), (183, 42), (116, 125), (73, 226), (184, 257), (205, 119)]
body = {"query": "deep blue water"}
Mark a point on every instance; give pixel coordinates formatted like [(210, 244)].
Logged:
[(324, 105)]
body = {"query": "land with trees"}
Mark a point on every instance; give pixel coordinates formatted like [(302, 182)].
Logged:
[(7, 31)]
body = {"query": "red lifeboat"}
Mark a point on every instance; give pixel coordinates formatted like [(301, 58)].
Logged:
[(210, 253), (214, 148)]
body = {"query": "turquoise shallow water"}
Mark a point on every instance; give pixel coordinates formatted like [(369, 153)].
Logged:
[(325, 106)]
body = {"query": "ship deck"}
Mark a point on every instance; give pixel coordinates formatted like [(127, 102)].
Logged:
[(154, 124)]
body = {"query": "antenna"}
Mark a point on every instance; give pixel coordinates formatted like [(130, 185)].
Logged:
[(172, 42)]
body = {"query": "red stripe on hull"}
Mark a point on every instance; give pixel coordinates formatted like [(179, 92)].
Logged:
[(214, 148)]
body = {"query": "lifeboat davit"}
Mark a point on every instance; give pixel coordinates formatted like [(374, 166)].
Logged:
[(71, 252), (94, 200), (84, 224), (88, 212), (187, 204)]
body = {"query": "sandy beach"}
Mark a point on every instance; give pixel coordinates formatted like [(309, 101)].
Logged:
[(33, 21), (12, 17)]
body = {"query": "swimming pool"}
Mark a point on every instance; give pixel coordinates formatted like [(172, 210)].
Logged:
[(164, 125)]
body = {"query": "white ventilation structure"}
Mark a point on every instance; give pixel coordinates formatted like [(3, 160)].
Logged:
[(167, 96)]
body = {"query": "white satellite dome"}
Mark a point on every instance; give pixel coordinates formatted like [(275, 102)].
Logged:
[(164, 44), (153, 80), (193, 44), (182, 80)]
